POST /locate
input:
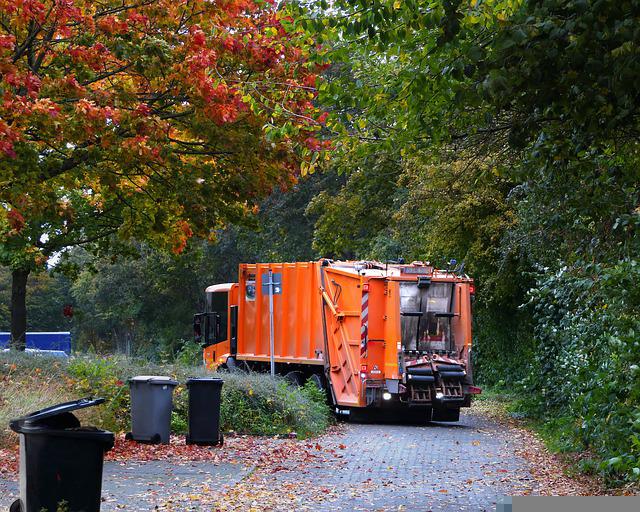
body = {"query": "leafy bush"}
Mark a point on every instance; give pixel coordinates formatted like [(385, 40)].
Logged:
[(189, 353), (179, 423), (261, 404), (502, 345), (100, 377)]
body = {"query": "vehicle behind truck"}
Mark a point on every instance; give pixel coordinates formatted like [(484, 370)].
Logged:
[(376, 336)]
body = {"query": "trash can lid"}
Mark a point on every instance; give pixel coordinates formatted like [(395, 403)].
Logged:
[(195, 380), (154, 379), (54, 410)]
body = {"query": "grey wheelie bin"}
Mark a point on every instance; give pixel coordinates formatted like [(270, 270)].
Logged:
[(204, 411), (60, 460), (151, 404)]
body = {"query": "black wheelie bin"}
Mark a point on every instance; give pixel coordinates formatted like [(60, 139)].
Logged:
[(204, 411), (60, 460)]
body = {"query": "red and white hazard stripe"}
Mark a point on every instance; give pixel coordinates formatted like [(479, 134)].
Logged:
[(364, 322)]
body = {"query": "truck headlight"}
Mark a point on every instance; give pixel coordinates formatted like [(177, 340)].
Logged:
[(386, 395)]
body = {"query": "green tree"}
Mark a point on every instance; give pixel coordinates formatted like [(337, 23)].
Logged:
[(145, 303), (47, 294), (149, 121), (353, 220)]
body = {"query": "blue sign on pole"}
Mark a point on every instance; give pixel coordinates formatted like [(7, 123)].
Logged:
[(276, 281)]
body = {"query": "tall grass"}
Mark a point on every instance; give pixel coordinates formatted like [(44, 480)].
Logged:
[(28, 383)]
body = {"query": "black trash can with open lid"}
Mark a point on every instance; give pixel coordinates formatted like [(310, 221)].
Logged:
[(60, 460)]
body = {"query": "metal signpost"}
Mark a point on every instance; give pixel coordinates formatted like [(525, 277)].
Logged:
[(273, 364), (271, 285)]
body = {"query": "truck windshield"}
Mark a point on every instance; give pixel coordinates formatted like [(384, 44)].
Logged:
[(217, 304), (426, 316)]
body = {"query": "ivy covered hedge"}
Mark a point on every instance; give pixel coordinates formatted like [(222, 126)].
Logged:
[(585, 377)]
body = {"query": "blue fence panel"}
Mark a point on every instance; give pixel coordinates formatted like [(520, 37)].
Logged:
[(43, 340)]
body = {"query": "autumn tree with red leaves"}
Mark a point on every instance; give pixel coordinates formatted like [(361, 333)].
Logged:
[(152, 120)]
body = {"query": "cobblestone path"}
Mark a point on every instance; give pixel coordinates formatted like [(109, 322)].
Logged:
[(438, 467)]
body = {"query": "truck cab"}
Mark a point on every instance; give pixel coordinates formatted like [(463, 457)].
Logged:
[(217, 327)]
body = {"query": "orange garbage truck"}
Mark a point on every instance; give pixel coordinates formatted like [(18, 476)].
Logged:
[(381, 336)]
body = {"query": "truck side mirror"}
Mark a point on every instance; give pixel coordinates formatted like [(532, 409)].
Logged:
[(197, 328), (201, 329), (234, 330)]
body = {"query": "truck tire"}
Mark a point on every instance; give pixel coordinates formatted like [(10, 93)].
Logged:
[(442, 414), (405, 416), (295, 378), (231, 364), (361, 415), (317, 380)]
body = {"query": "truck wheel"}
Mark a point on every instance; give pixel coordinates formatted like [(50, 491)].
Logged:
[(231, 364), (295, 378), (441, 414), (361, 415), (317, 380), (420, 416)]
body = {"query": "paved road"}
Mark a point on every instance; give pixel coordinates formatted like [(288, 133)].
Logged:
[(438, 467)]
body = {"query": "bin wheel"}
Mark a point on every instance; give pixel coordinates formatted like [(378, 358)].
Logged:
[(16, 506), (155, 439), (128, 436), (221, 440)]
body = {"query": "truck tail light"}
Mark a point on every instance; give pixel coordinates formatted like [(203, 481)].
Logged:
[(472, 289)]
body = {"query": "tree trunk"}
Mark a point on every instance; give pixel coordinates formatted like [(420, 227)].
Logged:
[(19, 309)]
